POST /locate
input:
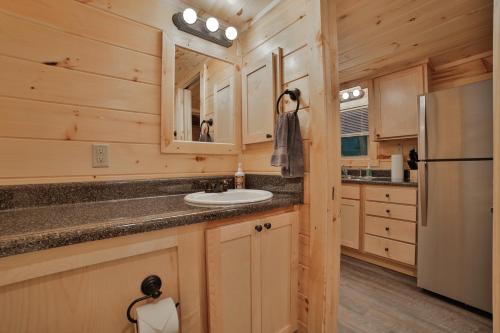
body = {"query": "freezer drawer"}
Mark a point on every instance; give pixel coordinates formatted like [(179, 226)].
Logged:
[(454, 231)]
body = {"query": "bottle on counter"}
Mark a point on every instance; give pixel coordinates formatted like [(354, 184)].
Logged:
[(239, 178), (369, 173)]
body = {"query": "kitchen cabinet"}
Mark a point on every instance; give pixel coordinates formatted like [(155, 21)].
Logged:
[(378, 225), (349, 218), (258, 98), (252, 275), (395, 103)]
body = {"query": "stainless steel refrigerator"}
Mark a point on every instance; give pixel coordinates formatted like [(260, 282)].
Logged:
[(455, 193)]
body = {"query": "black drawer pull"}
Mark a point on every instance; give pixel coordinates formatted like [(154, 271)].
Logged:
[(268, 225), (258, 228), (386, 249), (386, 228), (268, 136), (387, 195), (388, 211)]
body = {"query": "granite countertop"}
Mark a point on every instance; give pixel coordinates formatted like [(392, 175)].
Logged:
[(378, 181), (37, 222)]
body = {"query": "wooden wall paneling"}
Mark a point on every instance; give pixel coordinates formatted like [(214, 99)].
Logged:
[(397, 33), (51, 158), (79, 19), (29, 80), (496, 169), (324, 273), (472, 69), (33, 119), (29, 40), (283, 15)]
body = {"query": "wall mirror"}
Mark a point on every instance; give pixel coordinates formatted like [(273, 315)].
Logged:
[(201, 109)]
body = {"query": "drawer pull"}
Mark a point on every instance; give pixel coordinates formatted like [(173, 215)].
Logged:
[(268, 225), (386, 228), (388, 211), (387, 195), (386, 249), (258, 228)]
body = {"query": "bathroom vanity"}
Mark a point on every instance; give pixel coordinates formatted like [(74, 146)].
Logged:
[(90, 257)]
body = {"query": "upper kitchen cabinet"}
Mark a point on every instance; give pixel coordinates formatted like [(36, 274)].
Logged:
[(395, 103), (259, 94)]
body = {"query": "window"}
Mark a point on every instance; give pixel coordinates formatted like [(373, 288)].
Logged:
[(354, 122)]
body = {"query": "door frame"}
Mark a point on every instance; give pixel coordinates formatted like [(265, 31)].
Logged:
[(496, 166), (325, 182)]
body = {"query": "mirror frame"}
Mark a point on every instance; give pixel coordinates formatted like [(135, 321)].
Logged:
[(168, 144)]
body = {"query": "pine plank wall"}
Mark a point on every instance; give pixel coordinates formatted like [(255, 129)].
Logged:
[(74, 73)]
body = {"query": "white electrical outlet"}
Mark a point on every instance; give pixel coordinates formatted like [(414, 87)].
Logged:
[(100, 158)]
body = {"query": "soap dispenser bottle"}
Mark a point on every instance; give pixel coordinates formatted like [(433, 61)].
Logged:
[(239, 178)]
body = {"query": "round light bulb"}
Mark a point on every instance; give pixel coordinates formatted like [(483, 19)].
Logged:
[(189, 15), (231, 33), (212, 24), (356, 93), (345, 96)]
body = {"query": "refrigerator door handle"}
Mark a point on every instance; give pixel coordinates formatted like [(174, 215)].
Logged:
[(423, 192), (422, 128)]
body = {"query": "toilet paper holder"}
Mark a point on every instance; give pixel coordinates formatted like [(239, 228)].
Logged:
[(150, 287)]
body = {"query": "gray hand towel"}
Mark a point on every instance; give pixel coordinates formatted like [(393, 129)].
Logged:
[(288, 151)]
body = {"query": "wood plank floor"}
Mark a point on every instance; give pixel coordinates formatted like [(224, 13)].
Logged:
[(376, 300)]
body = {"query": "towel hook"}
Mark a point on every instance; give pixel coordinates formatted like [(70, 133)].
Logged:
[(294, 96)]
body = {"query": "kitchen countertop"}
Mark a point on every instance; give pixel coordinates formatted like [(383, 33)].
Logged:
[(377, 181), (39, 217)]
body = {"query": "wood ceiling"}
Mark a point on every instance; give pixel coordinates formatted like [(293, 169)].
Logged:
[(235, 12), (377, 35)]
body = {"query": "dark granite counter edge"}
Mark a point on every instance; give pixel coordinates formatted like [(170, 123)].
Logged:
[(378, 182), (62, 237)]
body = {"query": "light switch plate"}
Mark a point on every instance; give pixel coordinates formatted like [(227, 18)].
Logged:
[(100, 157)]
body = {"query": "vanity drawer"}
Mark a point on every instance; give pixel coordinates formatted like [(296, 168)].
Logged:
[(350, 192), (391, 194), (393, 211), (390, 249), (393, 229)]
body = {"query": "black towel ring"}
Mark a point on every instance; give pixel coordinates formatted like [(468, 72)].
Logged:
[(294, 96)]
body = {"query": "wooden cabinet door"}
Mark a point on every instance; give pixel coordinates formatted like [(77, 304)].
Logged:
[(279, 259), (396, 104), (233, 273), (258, 98), (349, 222)]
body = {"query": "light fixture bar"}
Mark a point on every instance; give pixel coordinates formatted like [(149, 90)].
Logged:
[(199, 29)]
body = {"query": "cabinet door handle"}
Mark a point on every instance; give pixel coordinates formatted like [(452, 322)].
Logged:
[(269, 136), (386, 228), (268, 225), (258, 228)]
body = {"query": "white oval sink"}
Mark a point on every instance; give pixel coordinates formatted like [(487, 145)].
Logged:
[(231, 197)]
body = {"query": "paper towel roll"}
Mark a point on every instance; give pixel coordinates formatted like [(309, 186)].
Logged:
[(397, 172), (158, 317)]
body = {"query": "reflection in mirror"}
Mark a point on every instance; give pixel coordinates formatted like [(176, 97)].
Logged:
[(204, 92)]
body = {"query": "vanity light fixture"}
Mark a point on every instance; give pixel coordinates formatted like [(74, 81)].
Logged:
[(188, 21), (212, 24), (189, 15), (345, 96), (231, 33)]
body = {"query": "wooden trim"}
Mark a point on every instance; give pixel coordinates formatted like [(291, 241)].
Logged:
[(496, 167), (325, 166), (168, 144), (389, 264)]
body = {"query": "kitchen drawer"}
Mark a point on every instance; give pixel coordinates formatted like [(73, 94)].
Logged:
[(393, 229), (390, 249), (350, 192), (391, 194), (393, 211)]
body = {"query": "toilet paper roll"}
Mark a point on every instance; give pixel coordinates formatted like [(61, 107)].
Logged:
[(158, 317), (397, 172)]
